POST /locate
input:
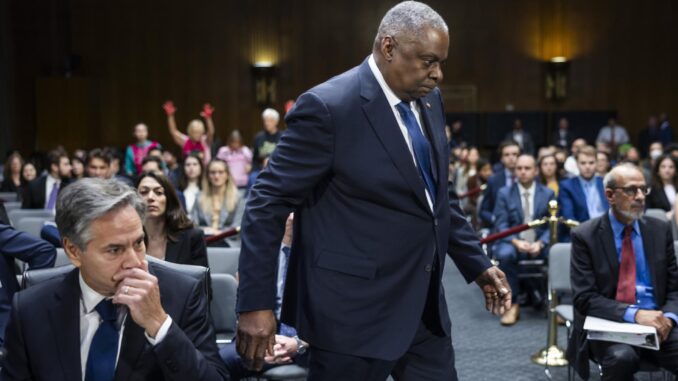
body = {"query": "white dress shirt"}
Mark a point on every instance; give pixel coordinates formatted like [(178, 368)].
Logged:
[(190, 194), (393, 101), (49, 184), (670, 192), (90, 321), (532, 189)]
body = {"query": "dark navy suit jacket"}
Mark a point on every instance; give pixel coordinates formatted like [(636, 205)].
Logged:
[(572, 201), (509, 209), (494, 184), (18, 245), (366, 242)]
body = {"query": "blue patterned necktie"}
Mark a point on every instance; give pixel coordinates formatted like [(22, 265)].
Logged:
[(420, 146), (104, 348), (51, 201)]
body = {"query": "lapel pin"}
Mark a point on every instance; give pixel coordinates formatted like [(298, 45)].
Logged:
[(428, 105)]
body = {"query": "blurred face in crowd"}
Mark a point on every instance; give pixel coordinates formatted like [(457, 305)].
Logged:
[(626, 200), (15, 165), (63, 170), (656, 150), (563, 124), (548, 167), (151, 166), (116, 244), (633, 155), (577, 144), (612, 122), (473, 156), (652, 121), (586, 165), (217, 173), (561, 156), (235, 141), (192, 168), (141, 132), (77, 169), (412, 65), (485, 171), (456, 127), (169, 159), (667, 170), (28, 172), (509, 155), (196, 129), (155, 153), (154, 195), (97, 167), (270, 124), (526, 170), (517, 124), (602, 163)]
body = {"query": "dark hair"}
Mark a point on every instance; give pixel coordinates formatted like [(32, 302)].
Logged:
[(54, 157), (7, 172), (98, 153), (542, 179), (154, 159), (23, 180), (508, 143), (175, 216), (183, 180), (656, 180)]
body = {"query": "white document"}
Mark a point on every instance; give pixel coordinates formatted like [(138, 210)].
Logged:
[(626, 333)]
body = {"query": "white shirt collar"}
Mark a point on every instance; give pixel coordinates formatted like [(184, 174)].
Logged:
[(90, 298), (392, 99), (531, 189)]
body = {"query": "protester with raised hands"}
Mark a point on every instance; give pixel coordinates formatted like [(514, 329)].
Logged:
[(196, 138)]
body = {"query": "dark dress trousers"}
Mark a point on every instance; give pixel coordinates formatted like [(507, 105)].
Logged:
[(595, 273), (43, 335), (367, 246)]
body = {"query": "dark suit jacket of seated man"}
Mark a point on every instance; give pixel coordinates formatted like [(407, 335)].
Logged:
[(597, 266), (372, 223), (162, 330)]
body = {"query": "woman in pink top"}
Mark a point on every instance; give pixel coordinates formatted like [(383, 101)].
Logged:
[(197, 139), (238, 158)]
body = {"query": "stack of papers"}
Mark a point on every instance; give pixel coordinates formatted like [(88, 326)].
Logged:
[(626, 333)]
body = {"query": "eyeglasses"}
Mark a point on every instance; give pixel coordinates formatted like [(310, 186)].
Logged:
[(633, 190)]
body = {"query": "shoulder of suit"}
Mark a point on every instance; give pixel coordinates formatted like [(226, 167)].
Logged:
[(590, 226), (39, 296)]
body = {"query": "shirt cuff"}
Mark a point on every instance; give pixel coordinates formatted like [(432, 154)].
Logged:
[(162, 332), (630, 314), (673, 317)]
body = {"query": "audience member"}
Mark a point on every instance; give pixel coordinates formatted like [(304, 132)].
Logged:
[(238, 157), (197, 139), (171, 166), (26, 248), (114, 170), (522, 137), (548, 172), (265, 141), (218, 206), (28, 172), (152, 338), (467, 169), (476, 182), (648, 135), (77, 168), (11, 176), (456, 138), (42, 192), (582, 198), (152, 164), (509, 151), (136, 152), (613, 135), (98, 164), (624, 269), (190, 182), (665, 130), (562, 136), (288, 348), (664, 184), (522, 202), (570, 163), (171, 235), (603, 163)]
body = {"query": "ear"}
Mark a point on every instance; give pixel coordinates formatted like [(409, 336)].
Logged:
[(73, 251), (387, 47), (609, 193)]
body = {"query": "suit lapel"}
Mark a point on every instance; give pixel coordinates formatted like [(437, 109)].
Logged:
[(580, 195), (64, 318), (381, 118), (515, 194), (437, 139), (539, 202), (133, 345), (650, 256), (606, 240)]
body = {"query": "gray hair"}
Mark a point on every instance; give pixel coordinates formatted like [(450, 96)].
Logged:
[(611, 178), (86, 200), (270, 113), (409, 18)]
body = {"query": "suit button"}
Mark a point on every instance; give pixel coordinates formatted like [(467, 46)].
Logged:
[(435, 222), (428, 268)]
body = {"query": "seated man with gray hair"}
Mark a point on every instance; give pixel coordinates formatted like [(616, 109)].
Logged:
[(114, 317), (624, 269)]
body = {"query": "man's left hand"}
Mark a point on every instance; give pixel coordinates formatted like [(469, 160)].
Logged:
[(496, 290), (138, 290), (284, 350)]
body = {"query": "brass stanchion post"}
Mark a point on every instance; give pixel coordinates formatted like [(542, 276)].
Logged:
[(552, 355)]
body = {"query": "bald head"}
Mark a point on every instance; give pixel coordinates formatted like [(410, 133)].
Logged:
[(620, 173), (625, 190), (526, 170)]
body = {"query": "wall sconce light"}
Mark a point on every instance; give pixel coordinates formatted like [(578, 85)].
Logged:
[(265, 85), (557, 69)]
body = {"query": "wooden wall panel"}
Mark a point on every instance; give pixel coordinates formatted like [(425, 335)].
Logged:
[(139, 54)]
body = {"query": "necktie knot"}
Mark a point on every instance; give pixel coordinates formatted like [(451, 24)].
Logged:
[(106, 310), (404, 108), (627, 231)]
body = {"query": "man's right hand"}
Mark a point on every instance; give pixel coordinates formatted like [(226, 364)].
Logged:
[(655, 319), (255, 337)]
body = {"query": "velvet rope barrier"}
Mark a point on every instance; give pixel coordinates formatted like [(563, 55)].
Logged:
[(471, 193), (505, 233), (228, 233)]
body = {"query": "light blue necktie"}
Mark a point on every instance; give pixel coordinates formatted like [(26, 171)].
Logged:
[(420, 146)]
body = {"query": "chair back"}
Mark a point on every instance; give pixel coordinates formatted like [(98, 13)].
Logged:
[(659, 214), (30, 225), (17, 214), (9, 196), (223, 260), (222, 307), (62, 258), (559, 267)]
